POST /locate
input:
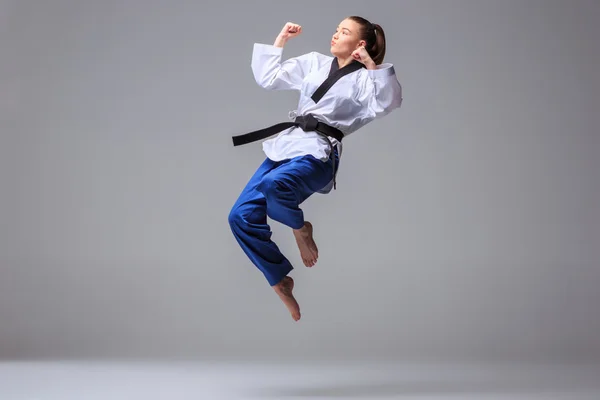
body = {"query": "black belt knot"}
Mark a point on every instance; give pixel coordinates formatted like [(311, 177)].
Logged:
[(307, 123)]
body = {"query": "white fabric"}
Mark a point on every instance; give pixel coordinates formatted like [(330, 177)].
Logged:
[(353, 101)]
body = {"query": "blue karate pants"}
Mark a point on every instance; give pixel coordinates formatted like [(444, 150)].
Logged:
[(276, 190)]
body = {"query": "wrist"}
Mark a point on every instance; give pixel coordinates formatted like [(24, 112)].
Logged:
[(370, 64), (280, 41)]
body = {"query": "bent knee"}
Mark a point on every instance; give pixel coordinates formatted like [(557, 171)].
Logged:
[(235, 217), (245, 214)]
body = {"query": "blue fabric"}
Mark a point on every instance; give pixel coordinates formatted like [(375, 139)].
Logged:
[(276, 190)]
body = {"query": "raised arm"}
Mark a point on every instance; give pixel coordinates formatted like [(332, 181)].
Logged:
[(381, 91), (273, 74)]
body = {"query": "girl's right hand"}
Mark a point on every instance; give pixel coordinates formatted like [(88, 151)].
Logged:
[(290, 30)]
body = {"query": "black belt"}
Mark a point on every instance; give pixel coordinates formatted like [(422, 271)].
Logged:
[(307, 123)]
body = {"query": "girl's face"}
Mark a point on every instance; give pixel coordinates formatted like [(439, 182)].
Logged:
[(346, 39)]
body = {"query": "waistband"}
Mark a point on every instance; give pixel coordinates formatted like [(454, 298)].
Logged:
[(307, 123)]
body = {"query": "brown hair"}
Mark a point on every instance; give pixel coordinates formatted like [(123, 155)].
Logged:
[(374, 36)]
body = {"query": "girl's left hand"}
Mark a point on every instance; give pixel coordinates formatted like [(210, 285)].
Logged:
[(362, 55)]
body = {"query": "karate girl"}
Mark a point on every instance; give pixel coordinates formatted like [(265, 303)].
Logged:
[(339, 94)]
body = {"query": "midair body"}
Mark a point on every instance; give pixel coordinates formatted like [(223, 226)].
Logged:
[(301, 163)]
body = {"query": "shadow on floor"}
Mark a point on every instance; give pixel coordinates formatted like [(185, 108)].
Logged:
[(386, 389)]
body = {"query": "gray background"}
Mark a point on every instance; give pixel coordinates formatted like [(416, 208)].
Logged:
[(465, 224)]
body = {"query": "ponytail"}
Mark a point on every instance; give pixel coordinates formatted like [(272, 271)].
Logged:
[(374, 36), (377, 52)]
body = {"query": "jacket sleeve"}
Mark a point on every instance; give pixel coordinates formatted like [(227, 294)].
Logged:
[(273, 74), (381, 91)]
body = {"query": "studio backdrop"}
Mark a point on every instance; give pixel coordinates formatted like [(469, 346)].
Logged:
[(465, 225)]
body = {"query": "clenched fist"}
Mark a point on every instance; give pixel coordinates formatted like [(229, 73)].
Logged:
[(361, 55), (290, 30)]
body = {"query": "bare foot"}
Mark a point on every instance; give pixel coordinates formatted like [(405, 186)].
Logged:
[(308, 248), (284, 289)]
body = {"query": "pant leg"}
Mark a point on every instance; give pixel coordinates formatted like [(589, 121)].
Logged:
[(276, 189), (290, 184), (248, 223)]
